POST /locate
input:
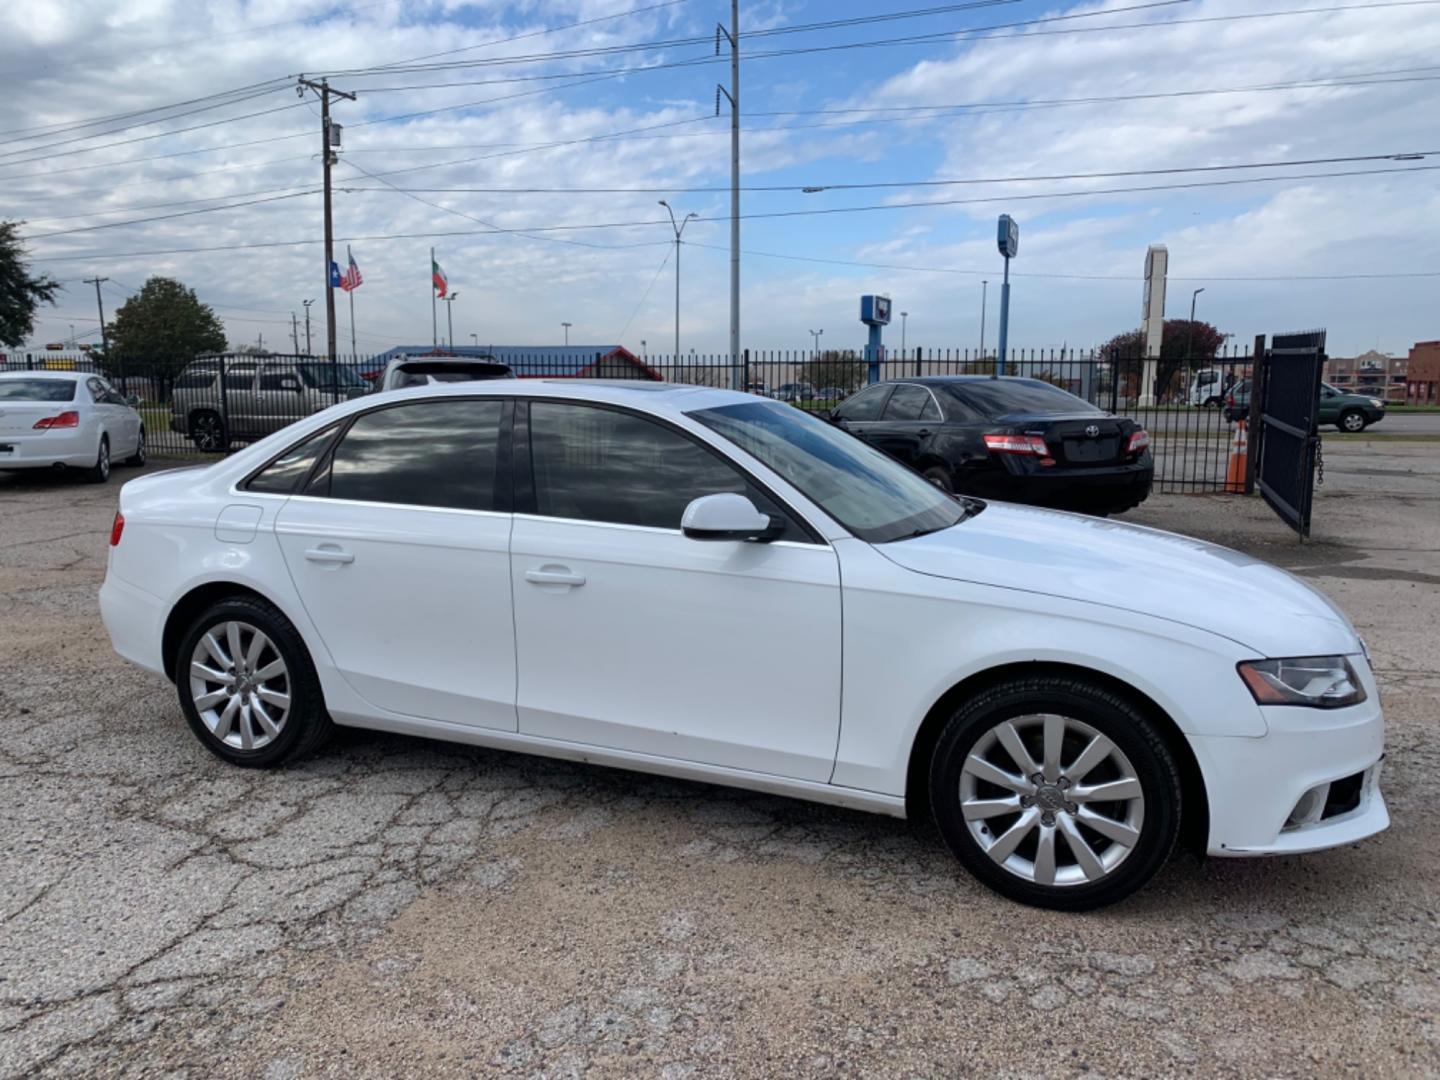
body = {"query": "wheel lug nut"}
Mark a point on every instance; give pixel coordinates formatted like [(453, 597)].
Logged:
[(1064, 783), (1047, 819)]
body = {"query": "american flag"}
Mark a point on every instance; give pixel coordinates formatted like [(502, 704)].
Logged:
[(351, 279)]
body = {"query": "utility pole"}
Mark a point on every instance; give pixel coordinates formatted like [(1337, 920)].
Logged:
[(904, 317), (984, 299), (307, 304), (733, 36), (678, 228), (100, 304), (450, 316), (329, 140), (295, 332), (1190, 336)]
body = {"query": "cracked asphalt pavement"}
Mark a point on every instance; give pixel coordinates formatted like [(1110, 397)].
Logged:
[(395, 906)]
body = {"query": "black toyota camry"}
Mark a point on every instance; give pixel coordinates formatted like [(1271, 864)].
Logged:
[(1021, 440)]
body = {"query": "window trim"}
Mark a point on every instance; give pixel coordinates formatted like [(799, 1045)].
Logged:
[(242, 487), (525, 503)]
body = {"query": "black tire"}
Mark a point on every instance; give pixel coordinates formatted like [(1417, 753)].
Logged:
[(207, 431), (100, 471), (1352, 422), (941, 478), (138, 458), (307, 725), (1108, 713)]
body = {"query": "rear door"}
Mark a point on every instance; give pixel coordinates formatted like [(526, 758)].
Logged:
[(399, 548), (239, 401), (126, 421), (909, 419), (279, 399)]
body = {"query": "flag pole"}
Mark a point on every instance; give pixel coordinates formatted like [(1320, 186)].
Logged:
[(354, 352), (434, 323)]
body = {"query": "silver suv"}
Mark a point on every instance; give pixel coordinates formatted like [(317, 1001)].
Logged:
[(257, 396)]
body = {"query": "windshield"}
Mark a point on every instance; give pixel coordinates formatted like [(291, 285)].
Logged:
[(1001, 397), (874, 497), (328, 375), (37, 389)]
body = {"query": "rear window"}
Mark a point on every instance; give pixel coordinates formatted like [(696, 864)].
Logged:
[(1001, 397), (37, 389)]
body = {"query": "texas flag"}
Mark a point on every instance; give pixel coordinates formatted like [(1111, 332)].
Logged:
[(351, 279), (334, 275)]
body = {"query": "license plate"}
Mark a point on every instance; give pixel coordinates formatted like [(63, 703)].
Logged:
[(6, 448), (1089, 450)]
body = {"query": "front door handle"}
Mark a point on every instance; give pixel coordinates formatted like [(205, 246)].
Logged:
[(554, 575), (924, 433), (328, 554)]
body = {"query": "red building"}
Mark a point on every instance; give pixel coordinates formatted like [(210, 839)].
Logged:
[(1422, 379)]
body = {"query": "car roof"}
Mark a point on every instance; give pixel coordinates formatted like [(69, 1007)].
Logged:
[(943, 380), (656, 396), (43, 373)]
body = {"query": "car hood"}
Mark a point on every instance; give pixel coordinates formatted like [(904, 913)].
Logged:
[(1133, 568)]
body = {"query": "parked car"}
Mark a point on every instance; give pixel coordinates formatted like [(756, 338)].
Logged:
[(67, 420), (632, 574), (831, 393), (1350, 413), (795, 391), (1018, 439), (256, 397), (420, 371)]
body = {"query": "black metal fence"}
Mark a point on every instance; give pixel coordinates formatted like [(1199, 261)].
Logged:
[(211, 405)]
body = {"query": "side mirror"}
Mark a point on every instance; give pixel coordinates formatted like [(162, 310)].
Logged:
[(133, 400), (727, 517)]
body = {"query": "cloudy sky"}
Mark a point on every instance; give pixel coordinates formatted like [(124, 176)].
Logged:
[(1102, 127)]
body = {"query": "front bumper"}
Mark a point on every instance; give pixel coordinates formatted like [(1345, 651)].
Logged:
[(1256, 784)]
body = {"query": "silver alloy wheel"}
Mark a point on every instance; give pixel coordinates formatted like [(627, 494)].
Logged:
[(240, 685), (1353, 421), (1052, 800), (140, 449), (102, 462), (207, 431)]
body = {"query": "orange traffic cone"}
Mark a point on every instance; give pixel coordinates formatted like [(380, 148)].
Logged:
[(1239, 450)]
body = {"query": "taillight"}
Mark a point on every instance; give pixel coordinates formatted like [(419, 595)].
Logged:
[(1139, 440), (1017, 444), (65, 419), (1025, 445), (116, 528)]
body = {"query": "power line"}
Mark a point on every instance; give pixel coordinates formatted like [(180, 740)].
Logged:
[(72, 125), (168, 217), (620, 337), (651, 223)]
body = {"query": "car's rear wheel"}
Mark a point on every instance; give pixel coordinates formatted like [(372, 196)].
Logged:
[(248, 687), (1352, 421), (138, 458), (100, 471), (1056, 792), (207, 431), (941, 478)]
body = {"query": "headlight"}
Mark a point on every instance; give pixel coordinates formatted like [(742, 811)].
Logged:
[(1377, 403), (1322, 682)]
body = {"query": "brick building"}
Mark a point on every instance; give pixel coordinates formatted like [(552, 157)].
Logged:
[(1375, 373), (1422, 379)]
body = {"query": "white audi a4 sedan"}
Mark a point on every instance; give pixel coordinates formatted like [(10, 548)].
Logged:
[(65, 420), (711, 585)]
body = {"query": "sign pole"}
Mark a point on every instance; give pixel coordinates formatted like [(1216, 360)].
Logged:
[(1009, 241)]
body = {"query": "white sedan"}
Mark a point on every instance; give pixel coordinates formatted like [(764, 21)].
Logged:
[(67, 420), (703, 584)]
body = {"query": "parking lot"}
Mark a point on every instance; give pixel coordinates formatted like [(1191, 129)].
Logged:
[(400, 907)]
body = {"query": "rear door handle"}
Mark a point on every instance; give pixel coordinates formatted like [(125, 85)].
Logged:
[(924, 433), (329, 555), (554, 576)]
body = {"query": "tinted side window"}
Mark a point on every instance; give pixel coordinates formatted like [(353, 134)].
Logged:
[(907, 403), (97, 392), (931, 411), (597, 464), (195, 380), (239, 378), (279, 380), (865, 405), (282, 475), (433, 453)]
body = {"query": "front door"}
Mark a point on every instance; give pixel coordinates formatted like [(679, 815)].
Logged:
[(400, 551), (632, 637), (905, 426)]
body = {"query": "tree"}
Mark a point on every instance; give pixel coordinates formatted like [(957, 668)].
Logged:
[(20, 294), (1183, 344), (161, 329), (840, 368)]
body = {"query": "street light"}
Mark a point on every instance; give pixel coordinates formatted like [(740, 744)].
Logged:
[(816, 335), (476, 339), (567, 332), (644, 350), (679, 228), (984, 296), (307, 304), (1190, 335), (450, 316), (903, 316)]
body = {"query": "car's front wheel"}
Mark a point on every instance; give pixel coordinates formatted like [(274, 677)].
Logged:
[(1056, 792), (138, 458), (941, 478), (1352, 421), (247, 685)]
